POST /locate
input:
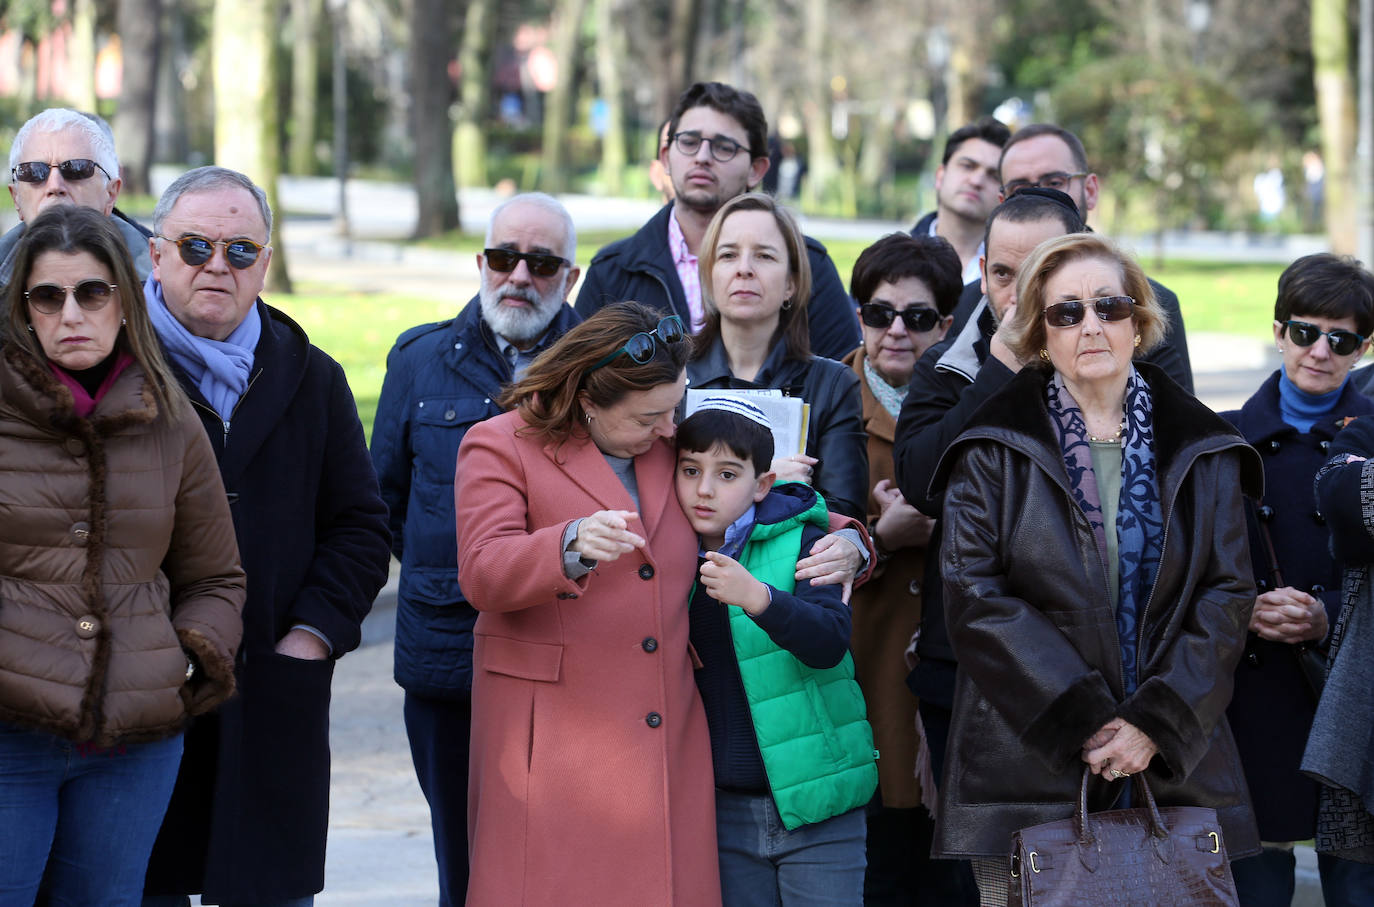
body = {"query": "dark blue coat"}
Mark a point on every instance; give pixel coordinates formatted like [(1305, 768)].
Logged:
[(248, 818), (640, 268), (1272, 707), (441, 379)]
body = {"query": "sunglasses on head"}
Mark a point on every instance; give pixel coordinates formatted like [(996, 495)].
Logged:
[(49, 298), (78, 168), (197, 250), (640, 347), (1108, 308), (918, 319), (540, 264), (1342, 343)]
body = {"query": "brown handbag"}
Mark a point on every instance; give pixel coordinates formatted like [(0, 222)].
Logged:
[(1140, 857)]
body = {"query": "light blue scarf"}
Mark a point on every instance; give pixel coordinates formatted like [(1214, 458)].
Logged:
[(219, 368)]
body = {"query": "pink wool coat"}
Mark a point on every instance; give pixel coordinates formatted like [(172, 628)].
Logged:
[(591, 777)]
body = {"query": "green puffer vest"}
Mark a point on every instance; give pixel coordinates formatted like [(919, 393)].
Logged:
[(811, 724)]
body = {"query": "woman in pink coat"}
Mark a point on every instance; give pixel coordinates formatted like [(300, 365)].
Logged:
[(591, 773)]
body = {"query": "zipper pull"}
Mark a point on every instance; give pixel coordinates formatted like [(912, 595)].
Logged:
[(226, 433)]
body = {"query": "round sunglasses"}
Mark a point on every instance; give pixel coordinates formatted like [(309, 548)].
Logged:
[(1342, 343), (918, 319), (1108, 308), (74, 170), (540, 264), (49, 298), (640, 347), (197, 250)]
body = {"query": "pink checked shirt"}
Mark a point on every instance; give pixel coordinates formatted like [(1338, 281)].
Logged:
[(688, 272)]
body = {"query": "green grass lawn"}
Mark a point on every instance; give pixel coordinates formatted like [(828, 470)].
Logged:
[(358, 329)]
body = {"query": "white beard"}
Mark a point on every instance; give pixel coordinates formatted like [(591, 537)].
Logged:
[(519, 325)]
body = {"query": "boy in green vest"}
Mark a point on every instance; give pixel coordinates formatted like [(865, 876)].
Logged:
[(792, 749)]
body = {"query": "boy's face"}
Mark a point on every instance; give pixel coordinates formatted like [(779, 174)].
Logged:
[(715, 488)]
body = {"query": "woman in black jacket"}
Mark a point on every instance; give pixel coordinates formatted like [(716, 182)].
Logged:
[(1323, 314), (755, 281), (1097, 577)]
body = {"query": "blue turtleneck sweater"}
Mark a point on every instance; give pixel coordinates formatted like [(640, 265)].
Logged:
[(1301, 409)]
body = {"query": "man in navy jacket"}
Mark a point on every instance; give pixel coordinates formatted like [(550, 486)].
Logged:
[(717, 148), (441, 379)]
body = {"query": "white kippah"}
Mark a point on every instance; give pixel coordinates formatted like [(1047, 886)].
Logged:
[(738, 406)]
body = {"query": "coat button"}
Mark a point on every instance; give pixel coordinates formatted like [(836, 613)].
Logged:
[(1318, 588), (450, 415), (1325, 446), (653, 719), (1261, 585), (914, 587), (1317, 515), (646, 571), (1274, 447), (81, 532), (74, 447), (1253, 659), (650, 644), (87, 627), (1266, 513), (567, 595)]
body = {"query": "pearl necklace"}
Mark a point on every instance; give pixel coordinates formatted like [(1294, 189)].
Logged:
[(1114, 439)]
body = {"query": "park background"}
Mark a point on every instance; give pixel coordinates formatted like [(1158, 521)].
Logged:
[(1229, 135)]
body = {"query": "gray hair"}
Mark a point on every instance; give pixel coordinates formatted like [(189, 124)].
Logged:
[(208, 179), (551, 206), (61, 119)]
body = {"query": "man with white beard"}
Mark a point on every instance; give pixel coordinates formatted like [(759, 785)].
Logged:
[(441, 379)]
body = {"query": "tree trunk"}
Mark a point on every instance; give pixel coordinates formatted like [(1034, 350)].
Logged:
[(558, 106), (431, 94), (243, 36), (1336, 116), (171, 138), (305, 74), (823, 166), (81, 56), (474, 98), (140, 30), (610, 57)]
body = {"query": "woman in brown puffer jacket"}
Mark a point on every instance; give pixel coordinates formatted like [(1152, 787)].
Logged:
[(120, 585)]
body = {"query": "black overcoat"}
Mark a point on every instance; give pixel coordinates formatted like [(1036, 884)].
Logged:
[(248, 818)]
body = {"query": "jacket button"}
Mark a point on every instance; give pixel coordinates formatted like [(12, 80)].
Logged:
[(914, 587), (1317, 515), (653, 719), (1253, 659), (1266, 513), (1325, 446), (87, 627), (450, 415), (81, 532), (1318, 588), (646, 571), (74, 447), (1262, 585), (650, 644), (1274, 446)]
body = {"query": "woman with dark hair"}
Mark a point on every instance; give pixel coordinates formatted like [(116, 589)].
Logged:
[(755, 282), (1097, 577), (120, 586), (1323, 315), (906, 288), (591, 776)]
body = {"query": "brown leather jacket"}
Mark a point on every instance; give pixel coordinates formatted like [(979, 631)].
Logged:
[(1035, 634), (117, 557)]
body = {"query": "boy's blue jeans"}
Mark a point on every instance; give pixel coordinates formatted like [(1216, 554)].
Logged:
[(762, 863), (91, 814)]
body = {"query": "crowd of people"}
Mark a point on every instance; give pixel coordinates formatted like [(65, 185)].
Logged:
[(650, 655)]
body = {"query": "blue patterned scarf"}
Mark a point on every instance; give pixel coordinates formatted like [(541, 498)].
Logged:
[(1139, 521)]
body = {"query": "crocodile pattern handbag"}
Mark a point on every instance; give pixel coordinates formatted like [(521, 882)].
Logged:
[(1140, 857)]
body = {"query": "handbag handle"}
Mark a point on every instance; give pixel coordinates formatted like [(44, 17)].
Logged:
[(1084, 829)]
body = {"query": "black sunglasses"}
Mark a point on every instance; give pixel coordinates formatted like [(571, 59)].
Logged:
[(640, 347), (1342, 343), (540, 263), (49, 298), (918, 319), (78, 168), (1068, 314), (197, 250)]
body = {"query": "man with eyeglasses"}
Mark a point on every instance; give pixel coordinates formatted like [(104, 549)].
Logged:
[(250, 810), (1047, 156), (717, 149), (966, 190), (63, 157), (441, 379)]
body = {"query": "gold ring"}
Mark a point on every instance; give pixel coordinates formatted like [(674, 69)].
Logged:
[(1117, 773)]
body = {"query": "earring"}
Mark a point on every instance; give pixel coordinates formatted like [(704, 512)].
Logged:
[(1045, 354), (1280, 346), (30, 329), (787, 305), (1137, 340), (123, 321), (588, 417)]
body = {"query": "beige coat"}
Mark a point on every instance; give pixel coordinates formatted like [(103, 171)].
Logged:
[(116, 553)]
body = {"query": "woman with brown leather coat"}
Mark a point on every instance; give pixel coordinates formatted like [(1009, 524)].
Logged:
[(120, 585), (1097, 573)]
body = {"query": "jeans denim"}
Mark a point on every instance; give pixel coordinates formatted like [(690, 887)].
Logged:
[(762, 863), (89, 816), (1345, 883)]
